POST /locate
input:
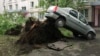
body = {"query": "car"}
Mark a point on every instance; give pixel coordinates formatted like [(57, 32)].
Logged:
[(71, 19)]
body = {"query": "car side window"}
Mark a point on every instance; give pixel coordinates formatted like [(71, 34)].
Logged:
[(82, 18), (74, 13)]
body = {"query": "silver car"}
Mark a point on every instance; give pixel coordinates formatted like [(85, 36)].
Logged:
[(72, 20)]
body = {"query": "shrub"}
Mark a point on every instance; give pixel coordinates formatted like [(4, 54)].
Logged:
[(9, 20)]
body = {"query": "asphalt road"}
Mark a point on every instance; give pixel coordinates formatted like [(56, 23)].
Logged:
[(79, 47)]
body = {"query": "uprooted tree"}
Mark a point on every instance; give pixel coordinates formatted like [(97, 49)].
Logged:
[(36, 32)]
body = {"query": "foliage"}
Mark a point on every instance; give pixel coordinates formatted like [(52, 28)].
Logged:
[(65, 3), (77, 4), (66, 32), (9, 20)]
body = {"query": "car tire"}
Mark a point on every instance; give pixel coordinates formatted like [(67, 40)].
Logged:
[(60, 22), (90, 36)]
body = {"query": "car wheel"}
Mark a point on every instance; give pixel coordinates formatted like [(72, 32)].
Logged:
[(90, 36), (60, 22)]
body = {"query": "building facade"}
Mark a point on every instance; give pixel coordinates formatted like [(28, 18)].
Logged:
[(19, 5), (13, 5), (1, 6), (92, 12), (96, 13), (88, 11)]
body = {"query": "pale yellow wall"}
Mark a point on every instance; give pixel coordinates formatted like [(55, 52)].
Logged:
[(90, 10), (90, 14)]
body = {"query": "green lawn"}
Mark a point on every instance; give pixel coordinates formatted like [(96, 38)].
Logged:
[(66, 32)]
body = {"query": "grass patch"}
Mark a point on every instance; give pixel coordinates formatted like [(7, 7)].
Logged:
[(66, 32)]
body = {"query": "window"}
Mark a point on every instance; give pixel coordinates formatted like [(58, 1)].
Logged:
[(74, 13), (84, 12), (23, 8), (10, 7), (82, 18), (23, 0), (32, 4), (10, 0), (16, 6)]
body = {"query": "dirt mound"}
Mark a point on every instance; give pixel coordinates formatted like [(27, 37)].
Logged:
[(36, 32), (14, 31)]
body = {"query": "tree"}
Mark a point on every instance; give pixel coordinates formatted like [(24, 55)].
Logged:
[(65, 3), (77, 4), (47, 3)]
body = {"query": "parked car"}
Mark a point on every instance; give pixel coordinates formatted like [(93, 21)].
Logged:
[(72, 20)]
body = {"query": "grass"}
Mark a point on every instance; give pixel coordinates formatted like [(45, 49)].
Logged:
[(66, 32), (7, 46)]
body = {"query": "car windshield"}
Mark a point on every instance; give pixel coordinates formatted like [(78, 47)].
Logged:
[(82, 18)]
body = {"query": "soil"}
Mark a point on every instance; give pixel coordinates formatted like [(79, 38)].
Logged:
[(14, 31), (36, 32)]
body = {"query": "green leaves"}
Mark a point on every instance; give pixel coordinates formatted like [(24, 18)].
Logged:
[(61, 3), (8, 21), (65, 3), (79, 5), (76, 4)]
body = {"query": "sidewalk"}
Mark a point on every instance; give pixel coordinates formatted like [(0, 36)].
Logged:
[(97, 29)]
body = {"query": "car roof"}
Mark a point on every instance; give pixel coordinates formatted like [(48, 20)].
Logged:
[(68, 9)]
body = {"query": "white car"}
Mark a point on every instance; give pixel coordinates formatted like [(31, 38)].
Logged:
[(72, 20)]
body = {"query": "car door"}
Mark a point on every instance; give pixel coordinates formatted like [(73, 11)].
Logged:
[(74, 21), (83, 23)]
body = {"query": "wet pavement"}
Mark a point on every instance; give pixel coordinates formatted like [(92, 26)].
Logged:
[(79, 47)]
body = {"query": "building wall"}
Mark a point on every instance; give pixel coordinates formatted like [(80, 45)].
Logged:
[(96, 13), (1, 6), (20, 4), (89, 7), (27, 4), (23, 4), (96, 16), (89, 13)]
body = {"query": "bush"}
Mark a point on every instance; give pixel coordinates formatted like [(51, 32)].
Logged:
[(9, 20)]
